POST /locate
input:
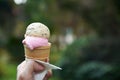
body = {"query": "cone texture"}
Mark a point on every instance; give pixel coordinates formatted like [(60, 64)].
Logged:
[(41, 53)]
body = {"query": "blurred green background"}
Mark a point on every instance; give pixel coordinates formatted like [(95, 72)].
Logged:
[(85, 36)]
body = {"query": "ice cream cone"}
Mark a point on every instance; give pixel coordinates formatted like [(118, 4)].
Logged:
[(41, 53)]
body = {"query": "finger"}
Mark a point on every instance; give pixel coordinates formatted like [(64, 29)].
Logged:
[(21, 66), (20, 69), (25, 76), (48, 75)]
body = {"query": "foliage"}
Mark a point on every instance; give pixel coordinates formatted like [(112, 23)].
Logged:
[(9, 72), (15, 47), (7, 20), (100, 15), (91, 59)]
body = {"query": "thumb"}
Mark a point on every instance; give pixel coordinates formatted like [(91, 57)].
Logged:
[(38, 67)]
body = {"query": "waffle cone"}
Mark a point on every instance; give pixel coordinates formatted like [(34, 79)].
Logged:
[(41, 53)]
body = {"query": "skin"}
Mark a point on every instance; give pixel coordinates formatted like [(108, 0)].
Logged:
[(27, 69)]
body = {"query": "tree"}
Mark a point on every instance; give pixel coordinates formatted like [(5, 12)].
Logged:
[(7, 20), (91, 58)]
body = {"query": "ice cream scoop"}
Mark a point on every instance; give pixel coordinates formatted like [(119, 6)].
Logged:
[(34, 42), (37, 34), (37, 29)]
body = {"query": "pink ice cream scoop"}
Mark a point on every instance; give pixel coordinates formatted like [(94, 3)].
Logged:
[(34, 42)]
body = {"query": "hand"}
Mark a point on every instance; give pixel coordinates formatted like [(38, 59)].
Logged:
[(27, 69)]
